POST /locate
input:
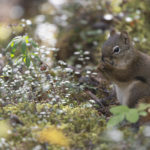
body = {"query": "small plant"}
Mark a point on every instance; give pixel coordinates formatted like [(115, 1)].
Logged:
[(121, 113), (22, 43)]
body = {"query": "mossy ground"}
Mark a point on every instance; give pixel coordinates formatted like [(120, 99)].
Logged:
[(80, 125)]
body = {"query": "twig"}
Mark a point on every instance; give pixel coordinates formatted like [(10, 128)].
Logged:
[(95, 98)]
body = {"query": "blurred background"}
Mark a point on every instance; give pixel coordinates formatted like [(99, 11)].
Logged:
[(76, 27)]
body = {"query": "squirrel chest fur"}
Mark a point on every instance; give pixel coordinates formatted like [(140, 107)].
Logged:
[(127, 68)]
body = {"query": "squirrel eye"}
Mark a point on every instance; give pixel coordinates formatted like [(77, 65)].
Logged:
[(116, 49)]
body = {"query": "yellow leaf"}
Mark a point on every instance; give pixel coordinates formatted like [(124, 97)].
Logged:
[(12, 44), (12, 55), (53, 135), (27, 39)]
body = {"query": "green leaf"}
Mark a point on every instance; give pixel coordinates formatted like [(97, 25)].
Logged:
[(12, 54), (132, 116), (34, 44), (9, 45), (115, 120), (143, 106), (27, 61), (14, 42), (143, 113), (17, 38), (119, 109), (23, 47)]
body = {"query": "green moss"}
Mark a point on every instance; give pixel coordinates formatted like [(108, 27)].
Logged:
[(81, 125)]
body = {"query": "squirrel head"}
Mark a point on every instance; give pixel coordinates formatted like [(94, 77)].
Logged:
[(117, 48)]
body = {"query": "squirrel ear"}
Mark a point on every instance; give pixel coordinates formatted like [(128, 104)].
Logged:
[(125, 37), (112, 32)]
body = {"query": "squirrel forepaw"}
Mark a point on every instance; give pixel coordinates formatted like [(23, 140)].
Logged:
[(101, 68), (105, 66)]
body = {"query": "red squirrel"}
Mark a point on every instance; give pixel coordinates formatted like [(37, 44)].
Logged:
[(127, 68)]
